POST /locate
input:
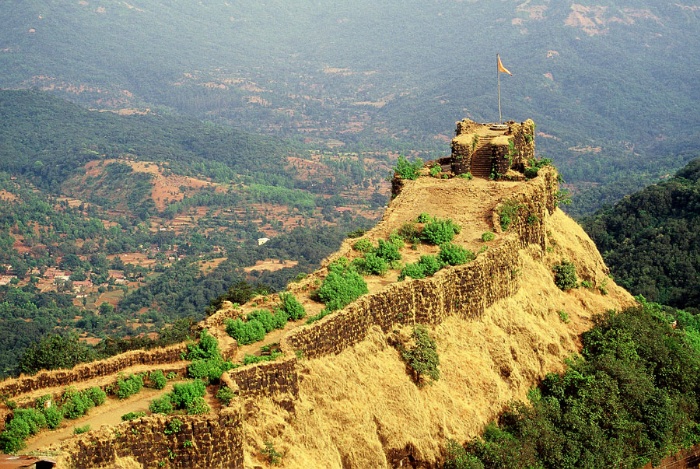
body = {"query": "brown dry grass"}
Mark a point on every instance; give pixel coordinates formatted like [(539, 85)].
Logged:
[(355, 408)]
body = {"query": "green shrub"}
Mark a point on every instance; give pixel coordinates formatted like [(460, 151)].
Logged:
[(133, 416), (129, 386), (406, 170), (396, 239), (161, 405), (12, 439), (207, 347), (422, 358), (83, 429), (507, 213), (245, 332), (75, 404), (292, 307), (371, 264), (250, 359), (183, 394), (435, 170), (425, 267), (363, 245), (467, 176), (565, 275), (319, 316), (197, 406), (455, 255), (410, 233), (458, 458), (273, 456), (157, 379), (225, 395), (388, 251), (34, 418), (174, 426), (586, 284), (96, 395), (564, 316), (210, 370), (431, 264), (54, 417), (342, 286), (414, 270), (424, 218), (356, 233), (439, 231)]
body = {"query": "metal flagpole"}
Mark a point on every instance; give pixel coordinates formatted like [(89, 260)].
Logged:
[(498, 75)]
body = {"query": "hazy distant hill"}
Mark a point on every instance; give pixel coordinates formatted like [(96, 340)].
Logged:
[(610, 83), (651, 239)]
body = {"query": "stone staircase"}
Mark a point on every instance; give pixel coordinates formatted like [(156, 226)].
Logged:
[(481, 161)]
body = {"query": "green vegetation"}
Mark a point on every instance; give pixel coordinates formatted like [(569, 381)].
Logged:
[(133, 416), (342, 285), (363, 245), (488, 236), (291, 307), (127, 387), (507, 212), (83, 429), (407, 170), (651, 240), (437, 231), (421, 357), (157, 379), (452, 254), (426, 266), (273, 456), (630, 399), (225, 395), (565, 275), (207, 362), (564, 316)]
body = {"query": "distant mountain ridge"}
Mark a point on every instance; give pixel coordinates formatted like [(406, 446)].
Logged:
[(609, 82)]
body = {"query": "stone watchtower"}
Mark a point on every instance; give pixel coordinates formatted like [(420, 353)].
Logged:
[(493, 151)]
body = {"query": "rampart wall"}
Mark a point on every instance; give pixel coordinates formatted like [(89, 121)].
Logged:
[(211, 441), (86, 371)]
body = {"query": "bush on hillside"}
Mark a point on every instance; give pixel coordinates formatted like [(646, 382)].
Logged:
[(292, 307), (342, 285), (565, 275), (453, 254), (439, 231)]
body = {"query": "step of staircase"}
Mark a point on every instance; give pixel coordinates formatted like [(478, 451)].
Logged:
[(481, 162)]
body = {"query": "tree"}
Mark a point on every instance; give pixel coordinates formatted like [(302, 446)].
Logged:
[(55, 352)]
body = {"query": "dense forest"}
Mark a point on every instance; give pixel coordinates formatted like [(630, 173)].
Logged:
[(651, 239), (631, 398)]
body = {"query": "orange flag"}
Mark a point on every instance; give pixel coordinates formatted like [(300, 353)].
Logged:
[(501, 68)]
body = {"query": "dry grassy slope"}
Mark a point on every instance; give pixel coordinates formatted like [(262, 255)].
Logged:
[(361, 409)]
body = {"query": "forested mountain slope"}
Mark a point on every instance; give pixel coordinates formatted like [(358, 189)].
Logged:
[(651, 239), (116, 226), (609, 82)]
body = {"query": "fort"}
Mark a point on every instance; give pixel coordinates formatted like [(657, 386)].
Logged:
[(502, 162)]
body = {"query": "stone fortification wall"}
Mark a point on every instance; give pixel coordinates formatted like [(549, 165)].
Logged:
[(211, 441), (264, 379), (523, 135), (86, 371), (465, 290)]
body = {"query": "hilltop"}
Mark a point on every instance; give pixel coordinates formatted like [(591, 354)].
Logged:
[(336, 391)]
